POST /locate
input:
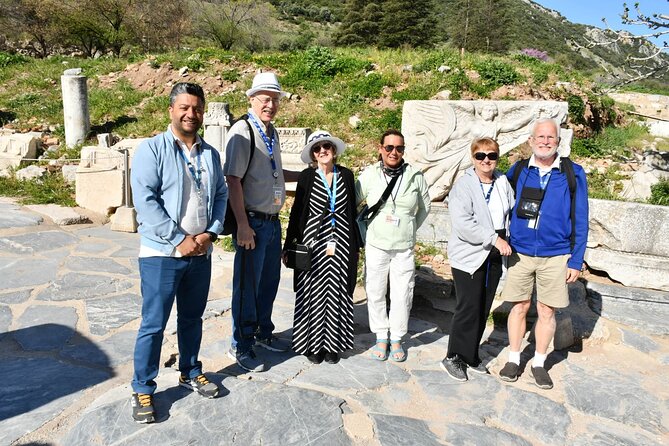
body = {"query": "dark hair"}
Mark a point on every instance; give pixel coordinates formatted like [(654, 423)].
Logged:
[(390, 132), (188, 88)]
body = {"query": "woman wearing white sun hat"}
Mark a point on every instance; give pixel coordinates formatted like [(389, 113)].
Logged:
[(323, 217)]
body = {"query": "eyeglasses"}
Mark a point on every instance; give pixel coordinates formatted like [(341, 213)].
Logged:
[(267, 99), (480, 156), (389, 148), (326, 145), (547, 138)]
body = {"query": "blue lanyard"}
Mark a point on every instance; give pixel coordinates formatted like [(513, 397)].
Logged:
[(268, 143), (487, 196), (332, 194), (543, 180), (197, 175)]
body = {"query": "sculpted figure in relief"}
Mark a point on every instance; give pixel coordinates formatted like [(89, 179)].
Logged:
[(439, 133)]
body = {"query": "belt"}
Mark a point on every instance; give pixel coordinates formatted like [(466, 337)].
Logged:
[(263, 216)]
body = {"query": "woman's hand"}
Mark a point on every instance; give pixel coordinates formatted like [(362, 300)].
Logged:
[(503, 247)]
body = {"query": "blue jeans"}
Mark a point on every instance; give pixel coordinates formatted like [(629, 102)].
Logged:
[(252, 308), (163, 279)]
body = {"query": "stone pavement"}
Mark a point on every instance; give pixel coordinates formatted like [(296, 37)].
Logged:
[(69, 311)]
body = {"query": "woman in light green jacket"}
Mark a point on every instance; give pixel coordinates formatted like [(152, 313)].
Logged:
[(389, 246)]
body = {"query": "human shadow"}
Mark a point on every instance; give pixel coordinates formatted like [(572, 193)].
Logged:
[(109, 126), (36, 370), (163, 400), (269, 358)]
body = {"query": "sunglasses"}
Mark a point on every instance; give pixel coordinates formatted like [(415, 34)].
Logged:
[(326, 145), (480, 156), (389, 148)]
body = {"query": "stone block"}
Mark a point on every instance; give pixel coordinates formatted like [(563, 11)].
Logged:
[(62, 216), (69, 172), (631, 269), (124, 220), (31, 172), (17, 147), (100, 191), (293, 139), (437, 227)]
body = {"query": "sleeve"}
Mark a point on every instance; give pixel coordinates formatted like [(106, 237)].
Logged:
[(220, 195), (146, 179), (582, 219), (465, 224), (238, 150), (361, 188), (293, 234), (424, 201)]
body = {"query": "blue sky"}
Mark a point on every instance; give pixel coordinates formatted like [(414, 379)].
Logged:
[(590, 12)]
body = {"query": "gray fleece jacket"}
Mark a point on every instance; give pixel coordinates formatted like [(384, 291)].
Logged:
[(472, 232)]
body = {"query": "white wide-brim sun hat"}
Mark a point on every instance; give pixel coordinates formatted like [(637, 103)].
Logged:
[(265, 82), (320, 136)]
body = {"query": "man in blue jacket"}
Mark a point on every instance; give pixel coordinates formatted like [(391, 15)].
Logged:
[(545, 252), (180, 195)]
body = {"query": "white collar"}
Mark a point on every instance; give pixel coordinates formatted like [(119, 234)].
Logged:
[(555, 165)]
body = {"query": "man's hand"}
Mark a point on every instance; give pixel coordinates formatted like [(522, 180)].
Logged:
[(204, 242), (246, 237), (188, 246), (503, 247), (572, 275)]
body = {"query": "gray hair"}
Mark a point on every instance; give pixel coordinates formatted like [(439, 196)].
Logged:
[(187, 88), (541, 121)]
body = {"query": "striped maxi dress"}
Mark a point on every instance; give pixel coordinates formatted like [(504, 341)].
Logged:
[(323, 305)]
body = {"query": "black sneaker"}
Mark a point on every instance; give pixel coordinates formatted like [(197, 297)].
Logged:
[(455, 367), (480, 368), (509, 372), (142, 408), (199, 384), (541, 378), (331, 358)]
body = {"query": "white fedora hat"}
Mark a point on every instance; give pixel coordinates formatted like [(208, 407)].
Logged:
[(320, 136), (265, 82)]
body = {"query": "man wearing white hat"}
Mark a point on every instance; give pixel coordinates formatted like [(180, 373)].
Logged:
[(256, 181)]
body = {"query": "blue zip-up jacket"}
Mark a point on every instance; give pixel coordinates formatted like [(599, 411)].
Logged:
[(552, 236), (157, 184)]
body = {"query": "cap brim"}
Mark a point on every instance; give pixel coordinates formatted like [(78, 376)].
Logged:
[(251, 91), (306, 151)]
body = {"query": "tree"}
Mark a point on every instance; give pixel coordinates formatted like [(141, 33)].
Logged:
[(360, 26), (228, 22), (478, 25), (407, 22), (32, 19), (650, 61)]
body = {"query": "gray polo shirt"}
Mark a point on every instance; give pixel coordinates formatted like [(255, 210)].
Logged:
[(259, 184)]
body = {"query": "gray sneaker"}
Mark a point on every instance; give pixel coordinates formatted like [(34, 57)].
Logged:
[(199, 384), (541, 378), (509, 372), (480, 368), (274, 344), (249, 362), (455, 367)]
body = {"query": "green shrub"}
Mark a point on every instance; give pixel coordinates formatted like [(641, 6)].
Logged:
[(317, 66), (435, 59), (659, 193), (576, 107), (495, 73), (50, 189), (7, 59)]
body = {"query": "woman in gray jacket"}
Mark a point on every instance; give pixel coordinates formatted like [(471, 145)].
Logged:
[(479, 205)]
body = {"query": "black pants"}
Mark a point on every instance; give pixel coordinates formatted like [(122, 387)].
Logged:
[(474, 294)]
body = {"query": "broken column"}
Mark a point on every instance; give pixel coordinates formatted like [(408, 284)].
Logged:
[(75, 106)]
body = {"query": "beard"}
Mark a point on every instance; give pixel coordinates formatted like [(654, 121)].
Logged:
[(546, 156)]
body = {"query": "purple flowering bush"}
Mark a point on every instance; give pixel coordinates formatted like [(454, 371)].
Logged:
[(533, 52)]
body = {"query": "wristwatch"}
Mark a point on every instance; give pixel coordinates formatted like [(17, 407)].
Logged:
[(212, 235)]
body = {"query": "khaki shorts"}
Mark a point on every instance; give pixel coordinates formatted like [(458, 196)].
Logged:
[(551, 279)]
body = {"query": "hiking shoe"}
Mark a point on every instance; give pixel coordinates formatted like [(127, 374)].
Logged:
[(249, 362), (199, 384), (455, 367), (480, 368), (273, 344), (142, 408), (509, 372), (541, 378)]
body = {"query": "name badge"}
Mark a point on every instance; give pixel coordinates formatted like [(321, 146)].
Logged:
[(278, 194), (393, 220), (330, 248), (532, 223)]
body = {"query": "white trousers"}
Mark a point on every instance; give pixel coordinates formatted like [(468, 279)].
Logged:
[(399, 265)]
